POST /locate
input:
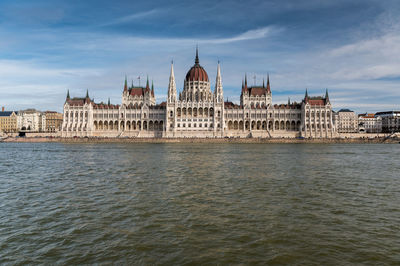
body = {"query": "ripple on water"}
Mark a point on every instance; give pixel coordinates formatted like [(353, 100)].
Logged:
[(199, 204)]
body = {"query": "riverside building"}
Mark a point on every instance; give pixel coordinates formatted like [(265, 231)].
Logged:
[(369, 123), (8, 121), (53, 121), (390, 121), (199, 112), (346, 121), (31, 120)]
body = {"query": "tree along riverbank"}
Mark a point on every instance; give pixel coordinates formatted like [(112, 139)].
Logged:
[(205, 140)]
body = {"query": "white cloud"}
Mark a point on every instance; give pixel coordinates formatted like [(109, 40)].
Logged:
[(248, 35), (367, 59), (131, 17)]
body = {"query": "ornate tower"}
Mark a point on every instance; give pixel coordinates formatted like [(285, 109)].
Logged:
[(172, 86), (197, 85), (219, 94)]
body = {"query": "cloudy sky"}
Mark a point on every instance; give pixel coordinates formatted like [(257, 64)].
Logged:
[(350, 47)]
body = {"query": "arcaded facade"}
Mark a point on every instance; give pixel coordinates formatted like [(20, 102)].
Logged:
[(198, 112)]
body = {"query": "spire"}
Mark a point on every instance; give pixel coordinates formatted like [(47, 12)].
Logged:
[(132, 84), (268, 86), (244, 85), (218, 85), (68, 95), (87, 94), (147, 83), (126, 84), (306, 96), (172, 85), (288, 101), (326, 95), (152, 88), (263, 83), (109, 103), (172, 75), (196, 60)]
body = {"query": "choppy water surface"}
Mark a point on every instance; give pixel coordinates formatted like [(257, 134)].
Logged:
[(199, 203)]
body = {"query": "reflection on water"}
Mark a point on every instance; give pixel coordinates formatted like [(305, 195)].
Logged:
[(199, 203)]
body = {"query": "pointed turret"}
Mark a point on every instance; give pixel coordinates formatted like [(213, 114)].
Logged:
[(68, 97), (288, 101), (172, 85), (263, 83), (268, 86), (244, 84), (147, 83), (196, 60), (109, 103), (87, 94), (152, 88), (218, 85), (126, 84), (326, 96), (306, 96)]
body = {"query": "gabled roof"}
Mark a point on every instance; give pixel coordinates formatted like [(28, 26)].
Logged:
[(344, 110), (315, 101), (293, 105), (231, 105), (6, 113), (257, 91), (105, 106), (137, 91), (78, 101)]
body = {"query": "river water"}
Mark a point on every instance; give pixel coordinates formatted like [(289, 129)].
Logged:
[(199, 204)]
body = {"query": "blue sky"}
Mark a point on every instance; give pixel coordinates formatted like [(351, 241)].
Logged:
[(350, 47)]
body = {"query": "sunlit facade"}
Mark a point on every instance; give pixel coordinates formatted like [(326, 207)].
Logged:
[(198, 112)]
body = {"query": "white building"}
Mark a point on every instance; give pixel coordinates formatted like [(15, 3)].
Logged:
[(198, 112), (369, 123), (346, 121), (390, 121), (31, 120)]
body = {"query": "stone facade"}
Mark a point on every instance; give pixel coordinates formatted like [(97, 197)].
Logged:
[(8, 121), (31, 120), (390, 121), (53, 121), (369, 123), (198, 112), (346, 121)]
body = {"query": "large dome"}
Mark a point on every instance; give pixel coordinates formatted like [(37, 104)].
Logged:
[(197, 72)]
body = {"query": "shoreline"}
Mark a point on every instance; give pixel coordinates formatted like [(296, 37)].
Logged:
[(202, 140)]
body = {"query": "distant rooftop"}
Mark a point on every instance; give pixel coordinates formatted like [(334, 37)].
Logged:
[(6, 113), (344, 110)]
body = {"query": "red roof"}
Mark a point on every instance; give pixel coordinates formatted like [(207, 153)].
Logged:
[(78, 101), (231, 105), (257, 91), (136, 91), (105, 106), (368, 116), (196, 73), (316, 102)]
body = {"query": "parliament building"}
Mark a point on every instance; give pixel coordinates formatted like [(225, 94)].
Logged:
[(198, 112)]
